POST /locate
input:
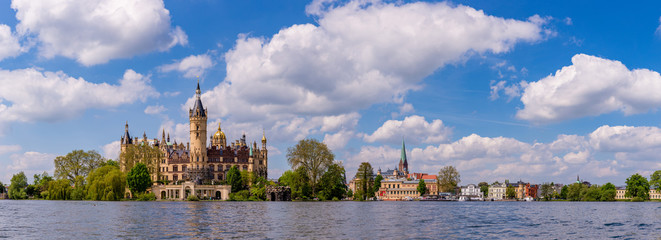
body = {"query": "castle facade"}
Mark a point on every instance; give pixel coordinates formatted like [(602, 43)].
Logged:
[(199, 161)]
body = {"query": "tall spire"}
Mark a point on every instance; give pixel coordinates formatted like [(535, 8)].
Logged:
[(405, 164), (197, 91), (198, 110)]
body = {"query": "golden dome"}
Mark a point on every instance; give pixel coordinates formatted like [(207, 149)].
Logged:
[(219, 134)]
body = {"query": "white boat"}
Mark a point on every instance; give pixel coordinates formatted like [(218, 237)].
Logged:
[(463, 198), (529, 199)]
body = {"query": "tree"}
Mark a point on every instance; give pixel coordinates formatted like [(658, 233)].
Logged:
[(591, 194), (78, 192), (484, 188), (111, 162), (140, 153), (106, 183), (18, 184), (574, 191), (510, 192), (234, 179), (77, 163), (448, 179), (138, 179), (313, 156), (655, 180), (364, 181), (59, 190), (377, 182), (546, 191), (637, 186), (564, 191), (333, 183), (298, 182), (608, 192), (422, 187)]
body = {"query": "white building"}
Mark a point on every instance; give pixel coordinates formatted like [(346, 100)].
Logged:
[(471, 190), (497, 191)]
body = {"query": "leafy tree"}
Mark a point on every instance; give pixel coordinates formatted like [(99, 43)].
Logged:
[(298, 181), (448, 179), (313, 156), (546, 191), (106, 183), (484, 188), (591, 194), (365, 181), (234, 179), (138, 179), (510, 192), (77, 163), (574, 191), (349, 193), (608, 192), (111, 162), (258, 189), (246, 179), (332, 184), (422, 187), (377, 182), (78, 192), (637, 186), (655, 180), (59, 190), (18, 184), (564, 191)]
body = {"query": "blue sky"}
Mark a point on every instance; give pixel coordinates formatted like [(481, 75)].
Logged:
[(537, 91)]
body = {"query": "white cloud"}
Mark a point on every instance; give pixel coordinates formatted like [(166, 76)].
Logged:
[(9, 42), (95, 31), (30, 163), (4, 149), (338, 140), (30, 95), (192, 66), (155, 109), (413, 128), (357, 56), (625, 138), (568, 21), (589, 87), (111, 150)]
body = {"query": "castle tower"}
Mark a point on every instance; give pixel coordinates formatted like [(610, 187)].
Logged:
[(218, 139), (198, 133), (126, 140)]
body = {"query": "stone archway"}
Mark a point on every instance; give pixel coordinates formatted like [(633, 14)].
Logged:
[(218, 195), (187, 192), (163, 195), (273, 196)]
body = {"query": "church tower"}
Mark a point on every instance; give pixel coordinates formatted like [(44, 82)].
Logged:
[(198, 134), (403, 163)]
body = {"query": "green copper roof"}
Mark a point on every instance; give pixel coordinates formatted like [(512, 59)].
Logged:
[(403, 157)]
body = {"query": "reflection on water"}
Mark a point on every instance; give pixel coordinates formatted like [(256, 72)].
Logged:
[(344, 220)]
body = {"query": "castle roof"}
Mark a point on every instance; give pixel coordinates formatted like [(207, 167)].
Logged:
[(198, 109)]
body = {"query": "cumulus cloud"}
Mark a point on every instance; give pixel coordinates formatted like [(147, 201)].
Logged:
[(192, 66), (4, 149), (30, 95), (338, 140), (155, 109), (413, 128), (30, 163), (357, 56), (591, 86), (111, 150), (95, 31), (9, 42)]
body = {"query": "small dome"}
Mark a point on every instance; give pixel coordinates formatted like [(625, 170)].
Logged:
[(219, 134)]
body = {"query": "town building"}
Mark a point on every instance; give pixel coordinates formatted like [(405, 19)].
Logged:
[(402, 189), (621, 191), (497, 191), (199, 165), (471, 191)]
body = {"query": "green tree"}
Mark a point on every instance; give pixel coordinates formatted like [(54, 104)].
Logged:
[(106, 183), (637, 186), (510, 192), (422, 187), (608, 192), (448, 179), (111, 162), (234, 179), (546, 191), (591, 194), (313, 156), (146, 154), (18, 184), (564, 191), (574, 191), (298, 182), (364, 181), (377, 183), (138, 179), (484, 188), (77, 163), (59, 190), (333, 183), (655, 180), (78, 191)]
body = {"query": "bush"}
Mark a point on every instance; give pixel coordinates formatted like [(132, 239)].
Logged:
[(146, 197), (192, 198), (242, 195), (637, 199)]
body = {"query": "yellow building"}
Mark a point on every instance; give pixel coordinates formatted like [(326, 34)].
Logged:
[(621, 191), (401, 189)]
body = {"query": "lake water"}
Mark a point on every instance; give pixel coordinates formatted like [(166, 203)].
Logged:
[(336, 220)]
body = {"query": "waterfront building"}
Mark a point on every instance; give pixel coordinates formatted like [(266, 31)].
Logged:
[(402, 189), (199, 165), (498, 191), (621, 191), (471, 190)]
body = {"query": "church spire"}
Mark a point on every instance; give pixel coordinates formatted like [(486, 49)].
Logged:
[(403, 160)]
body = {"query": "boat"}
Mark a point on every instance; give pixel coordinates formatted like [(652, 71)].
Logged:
[(529, 199), (463, 198)]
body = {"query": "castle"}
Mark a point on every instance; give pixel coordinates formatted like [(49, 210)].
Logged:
[(197, 161)]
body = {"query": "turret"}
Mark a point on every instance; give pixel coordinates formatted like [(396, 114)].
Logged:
[(198, 133)]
